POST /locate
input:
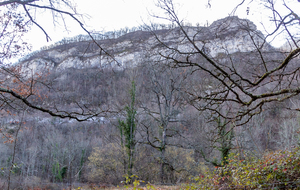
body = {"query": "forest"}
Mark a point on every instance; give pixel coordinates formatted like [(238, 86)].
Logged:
[(189, 107)]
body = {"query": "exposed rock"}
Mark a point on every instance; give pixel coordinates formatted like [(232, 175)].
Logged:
[(228, 35)]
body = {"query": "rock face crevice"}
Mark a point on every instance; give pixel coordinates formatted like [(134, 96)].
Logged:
[(228, 35)]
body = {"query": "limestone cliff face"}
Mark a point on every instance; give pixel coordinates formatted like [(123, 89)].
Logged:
[(227, 35)]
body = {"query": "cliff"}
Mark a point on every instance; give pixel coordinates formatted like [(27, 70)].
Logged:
[(228, 35)]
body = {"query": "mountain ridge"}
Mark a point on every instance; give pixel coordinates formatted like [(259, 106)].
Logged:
[(227, 35)]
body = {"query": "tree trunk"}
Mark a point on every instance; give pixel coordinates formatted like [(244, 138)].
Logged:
[(163, 146)]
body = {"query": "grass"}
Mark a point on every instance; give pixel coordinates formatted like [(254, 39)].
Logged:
[(153, 187)]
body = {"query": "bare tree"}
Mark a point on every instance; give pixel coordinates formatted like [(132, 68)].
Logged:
[(20, 90), (236, 80), (16, 90), (164, 85)]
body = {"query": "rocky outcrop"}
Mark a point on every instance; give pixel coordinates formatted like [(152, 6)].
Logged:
[(228, 35)]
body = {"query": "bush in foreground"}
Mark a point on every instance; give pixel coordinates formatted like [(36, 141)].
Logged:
[(279, 169)]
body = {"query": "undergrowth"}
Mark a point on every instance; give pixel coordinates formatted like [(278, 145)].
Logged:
[(275, 170)]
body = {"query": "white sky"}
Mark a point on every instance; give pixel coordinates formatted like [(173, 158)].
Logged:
[(110, 15)]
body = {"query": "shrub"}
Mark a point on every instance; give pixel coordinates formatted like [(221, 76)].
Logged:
[(183, 163), (278, 169), (106, 164), (32, 182)]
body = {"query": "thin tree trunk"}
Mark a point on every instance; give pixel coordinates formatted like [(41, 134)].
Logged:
[(163, 146), (14, 152)]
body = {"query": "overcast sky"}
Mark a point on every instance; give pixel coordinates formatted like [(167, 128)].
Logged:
[(107, 15)]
